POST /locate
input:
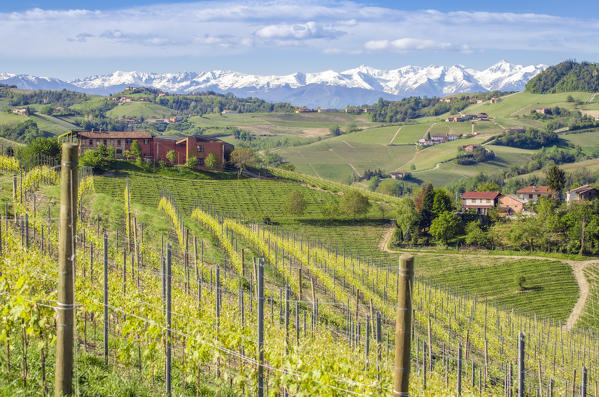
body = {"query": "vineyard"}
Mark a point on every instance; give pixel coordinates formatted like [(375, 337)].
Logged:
[(184, 311)]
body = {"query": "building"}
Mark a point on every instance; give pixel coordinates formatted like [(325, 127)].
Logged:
[(120, 140), (439, 138), (327, 110), (533, 193), (155, 148), (21, 111), (304, 110), (481, 202), (399, 175), (510, 204), (584, 192), (227, 111)]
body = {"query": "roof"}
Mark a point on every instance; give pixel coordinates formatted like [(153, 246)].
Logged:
[(114, 134), (512, 197), (535, 190), (480, 195), (582, 189)]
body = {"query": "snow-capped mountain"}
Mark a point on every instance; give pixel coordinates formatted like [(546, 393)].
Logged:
[(356, 86)]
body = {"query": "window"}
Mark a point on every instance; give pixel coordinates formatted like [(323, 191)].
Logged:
[(200, 161), (118, 142), (530, 196), (201, 148), (91, 143), (145, 141), (105, 142), (128, 141)]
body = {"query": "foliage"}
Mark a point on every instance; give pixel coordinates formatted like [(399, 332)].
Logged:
[(99, 159), (479, 154), (556, 179), (520, 280), (192, 162), (564, 77), (476, 236), (135, 149), (445, 227), (354, 203), (295, 204), (531, 139), (48, 147), (171, 156), (210, 161), (26, 131), (243, 157), (407, 216)]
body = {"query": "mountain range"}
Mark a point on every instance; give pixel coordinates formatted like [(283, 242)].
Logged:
[(358, 86)]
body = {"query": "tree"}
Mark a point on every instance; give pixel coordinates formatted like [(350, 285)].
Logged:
[(354, 203), (445, 226), (477, 236), (135, 149), (171, 156), (407, 216), (335, 131), (99, 159), (243, 157), (441, 202), (295, 204), (192, 161), (210, 161), (556, 179), (520, 280), (48, 147)]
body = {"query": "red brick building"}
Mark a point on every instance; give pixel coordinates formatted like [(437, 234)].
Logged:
[(155, 148)]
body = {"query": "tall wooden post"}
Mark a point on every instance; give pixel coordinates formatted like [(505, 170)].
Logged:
[(260, 290), (521, 369), (63, 384), (168, 320), (105, 298), (401, 376)]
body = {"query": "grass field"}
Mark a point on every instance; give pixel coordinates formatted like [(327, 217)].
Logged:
[(546, 281), (139, 110)]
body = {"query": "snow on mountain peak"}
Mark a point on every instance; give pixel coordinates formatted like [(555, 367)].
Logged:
[(363, 84)]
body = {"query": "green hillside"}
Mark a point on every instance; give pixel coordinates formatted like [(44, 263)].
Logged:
[(565, 77)]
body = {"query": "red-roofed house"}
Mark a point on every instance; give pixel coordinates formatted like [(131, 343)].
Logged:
[(120, 140), (480, 201), (533, 193)]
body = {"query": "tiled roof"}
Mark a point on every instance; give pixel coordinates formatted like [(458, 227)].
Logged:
[(480, 195), (535, 190), (115, 135)]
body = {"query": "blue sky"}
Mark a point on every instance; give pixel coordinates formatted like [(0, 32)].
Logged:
[(70, 39)]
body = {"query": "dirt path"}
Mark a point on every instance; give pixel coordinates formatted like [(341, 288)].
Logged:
[(394, 136), (577, 269)]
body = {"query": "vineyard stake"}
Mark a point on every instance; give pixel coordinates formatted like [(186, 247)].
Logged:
[(583, 387), (105, 298), (260, 346), (64, 320), (521, 350), (401, 377), (459, 375), (168, 320)]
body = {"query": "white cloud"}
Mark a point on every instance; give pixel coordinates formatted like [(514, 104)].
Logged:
[(407, 44), (235, 27), (308, 30)]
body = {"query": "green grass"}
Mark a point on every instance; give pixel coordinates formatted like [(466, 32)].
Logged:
[(94, 103), (590, 314), (10, 119), (139, 110), (551, 289), (410, 133)]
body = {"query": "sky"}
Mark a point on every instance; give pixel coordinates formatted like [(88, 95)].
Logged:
[(71, 39)]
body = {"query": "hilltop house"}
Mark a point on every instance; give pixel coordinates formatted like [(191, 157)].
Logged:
[(510, 204), (481, 202), (581, 193), (533, 193), (399, 175), (155, 148)]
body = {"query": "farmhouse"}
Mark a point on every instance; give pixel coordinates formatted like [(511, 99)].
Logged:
[(481, 202), (228, 111), (533, 193), (304, 110), (399, 175), (21, 111), (327, 110), (155, 148), (510, 204), (584, 192)]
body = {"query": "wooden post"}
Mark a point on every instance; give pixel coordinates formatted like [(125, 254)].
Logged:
[(260, 288), (105, 298), (65, 314), (168, 320), (521, 345), (583, 386), (401, 376), (459, 375)]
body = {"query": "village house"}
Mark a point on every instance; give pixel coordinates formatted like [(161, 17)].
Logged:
[(327, 110), (439, 138), (227, 111), (470, 148), (155, 148), (510, 204), (533, 193), (495, 100), (480, 202), (584, 192), (399, 175), (304, 110), (21, 111)]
